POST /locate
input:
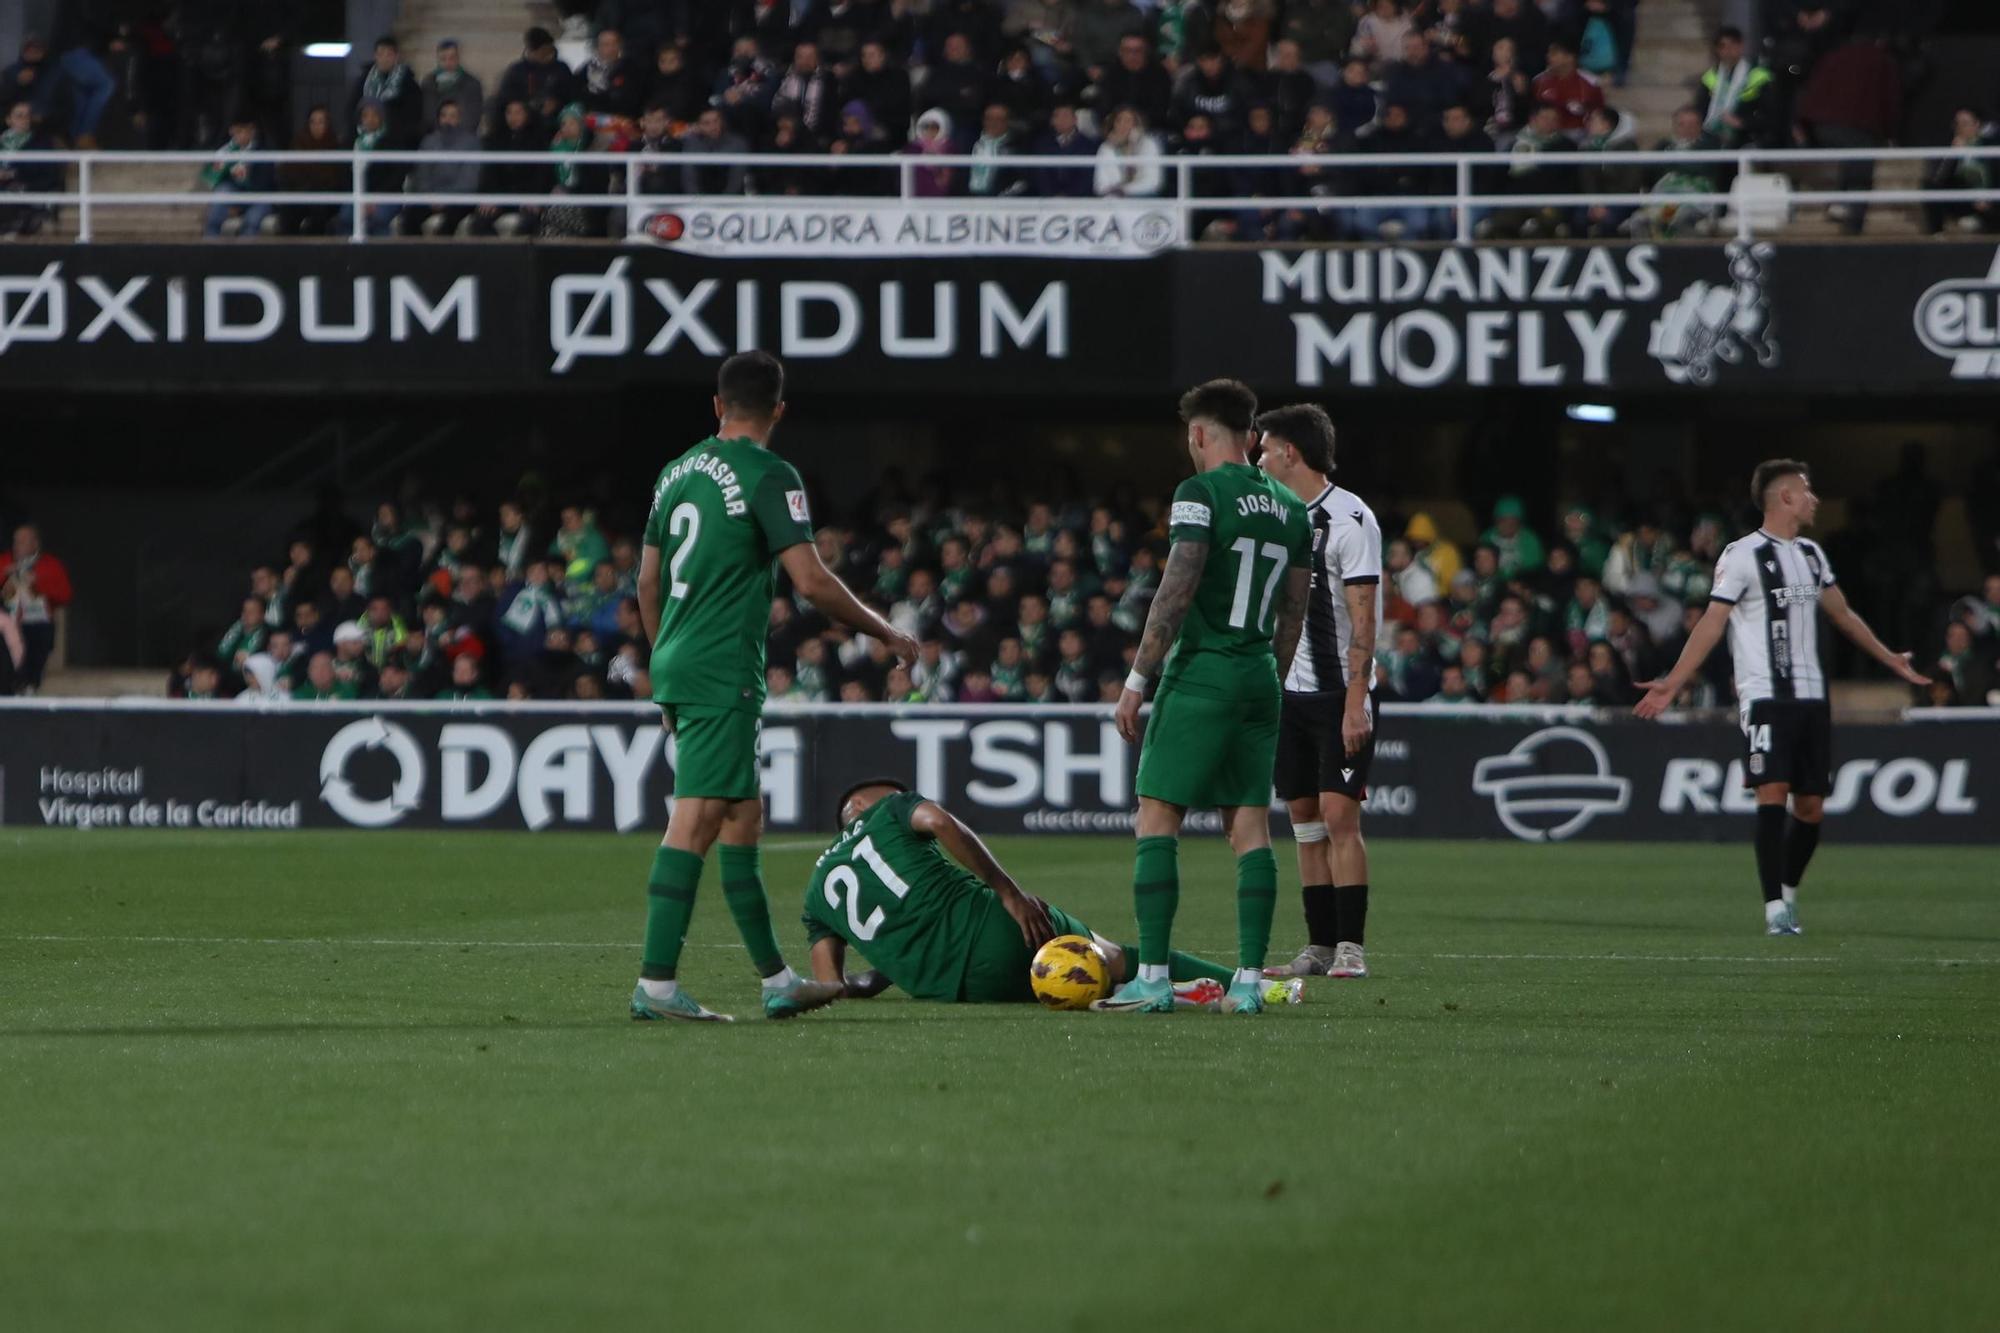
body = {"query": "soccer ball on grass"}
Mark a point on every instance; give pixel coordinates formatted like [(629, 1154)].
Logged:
[(1069, 972)]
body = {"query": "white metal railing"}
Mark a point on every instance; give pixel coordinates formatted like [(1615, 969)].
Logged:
[(1477, 188)]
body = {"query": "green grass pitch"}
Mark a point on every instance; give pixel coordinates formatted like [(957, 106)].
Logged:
[(386, 1082)]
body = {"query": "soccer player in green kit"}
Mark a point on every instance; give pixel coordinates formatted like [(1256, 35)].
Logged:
[(909, 885), (1230, 606), (722, 513)]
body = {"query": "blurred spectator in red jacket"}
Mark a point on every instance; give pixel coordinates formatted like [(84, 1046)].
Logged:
[(1852, 99), (34, 586)]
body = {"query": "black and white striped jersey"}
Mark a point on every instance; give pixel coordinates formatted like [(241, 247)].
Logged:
[(1772, 588), (1347, 549)]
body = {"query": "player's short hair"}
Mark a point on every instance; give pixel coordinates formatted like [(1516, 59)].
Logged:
[(1307, 428), (1769, 473), (752, 383), (1230, 404), (840, 806)]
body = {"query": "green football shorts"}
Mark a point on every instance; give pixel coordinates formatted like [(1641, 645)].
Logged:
[(996, 972), (715, 751), (1202, 753)]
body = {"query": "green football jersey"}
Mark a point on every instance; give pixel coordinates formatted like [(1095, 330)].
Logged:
[(893, 894), (1256, 530), (721, 513)]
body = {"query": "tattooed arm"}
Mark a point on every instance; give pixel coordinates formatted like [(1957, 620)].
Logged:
[(1291, 618), (1356, 721), (1163, 625)]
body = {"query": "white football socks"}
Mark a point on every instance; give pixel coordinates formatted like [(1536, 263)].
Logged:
[(1152, 971), (780, 979), (659, 990), (1774, 911), (1791, 893), (1250, 975)]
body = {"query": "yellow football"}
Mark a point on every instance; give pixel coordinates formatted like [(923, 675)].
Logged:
[(1069, 972)]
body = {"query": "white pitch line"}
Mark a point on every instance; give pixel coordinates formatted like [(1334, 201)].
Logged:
[(341, 941)]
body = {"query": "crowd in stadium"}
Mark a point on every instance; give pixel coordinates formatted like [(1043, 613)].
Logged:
[(1125, 88), (1040, 601)]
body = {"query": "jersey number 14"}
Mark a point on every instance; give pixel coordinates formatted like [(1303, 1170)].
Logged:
[(842, 880)]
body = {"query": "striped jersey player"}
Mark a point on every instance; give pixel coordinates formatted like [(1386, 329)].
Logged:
[(1326, 726), (1771, 588)]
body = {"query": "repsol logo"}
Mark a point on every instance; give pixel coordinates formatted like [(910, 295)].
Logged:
[(1900, 788)]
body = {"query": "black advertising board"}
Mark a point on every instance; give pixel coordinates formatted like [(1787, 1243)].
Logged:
[(1690, 318), (1533, 775)]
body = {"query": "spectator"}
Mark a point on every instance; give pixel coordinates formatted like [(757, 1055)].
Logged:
[(787, 136), (1019, 87), (1693, 176), (574, 179), (320, 683), (1212, 88), (1242, 28), (931, 137), (744, 88), (859, 137), (1520, 22), (1098, 29), (1045, 29), (312, 177), (1409, 579), (389, 83), (538, 79), (451, 83), (246, 635), (1324, 30), (611, 83), (1509, 94), (1378, 38), (1063, 138), (1609, 131), (1423, 84), (1967, 664), (884, 88), (842, 26), (1289, 89), (378, 219), (1852, 99), (266, 94), (1396, 134), (517, 132), (956, 85), (808, 91), (32, 78), (19, 177), (1437, 554), (672, 86), (224, 178), (978, 21), (1135, 79), (988, 178), (1520, 550), (1529, 171), (710, 135), (459, 175), (1573, 93), (1963, 172), (1733, 94), (1129, 160), (1356, 104)]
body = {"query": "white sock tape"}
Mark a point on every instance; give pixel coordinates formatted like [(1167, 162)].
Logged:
[(1313, 832)]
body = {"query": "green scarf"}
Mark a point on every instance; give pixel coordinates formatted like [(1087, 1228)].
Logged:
[(384, 87), (446, 79), (365, 140), (566, 172), (13, 139)]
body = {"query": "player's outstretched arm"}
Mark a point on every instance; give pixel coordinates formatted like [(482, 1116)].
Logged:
[(649, 592), (1849, 622), (823, 588), (1701, 642), (1178, 583), (960, 843)]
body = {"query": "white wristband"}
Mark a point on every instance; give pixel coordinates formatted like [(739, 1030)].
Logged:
[(1136, 682)]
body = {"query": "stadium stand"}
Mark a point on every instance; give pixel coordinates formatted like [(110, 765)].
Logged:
[(1239, 76), (1042, 600)]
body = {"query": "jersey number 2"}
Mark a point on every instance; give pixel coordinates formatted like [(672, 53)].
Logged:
[(842, 879), (1246, 576), (684, 518)]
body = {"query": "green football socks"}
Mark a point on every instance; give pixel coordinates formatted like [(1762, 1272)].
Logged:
[(1188, 967), (743, 888), (1156, 895), (1256, 901), (669, 907)]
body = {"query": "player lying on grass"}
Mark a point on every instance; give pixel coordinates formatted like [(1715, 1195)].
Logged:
[(914, 889)]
